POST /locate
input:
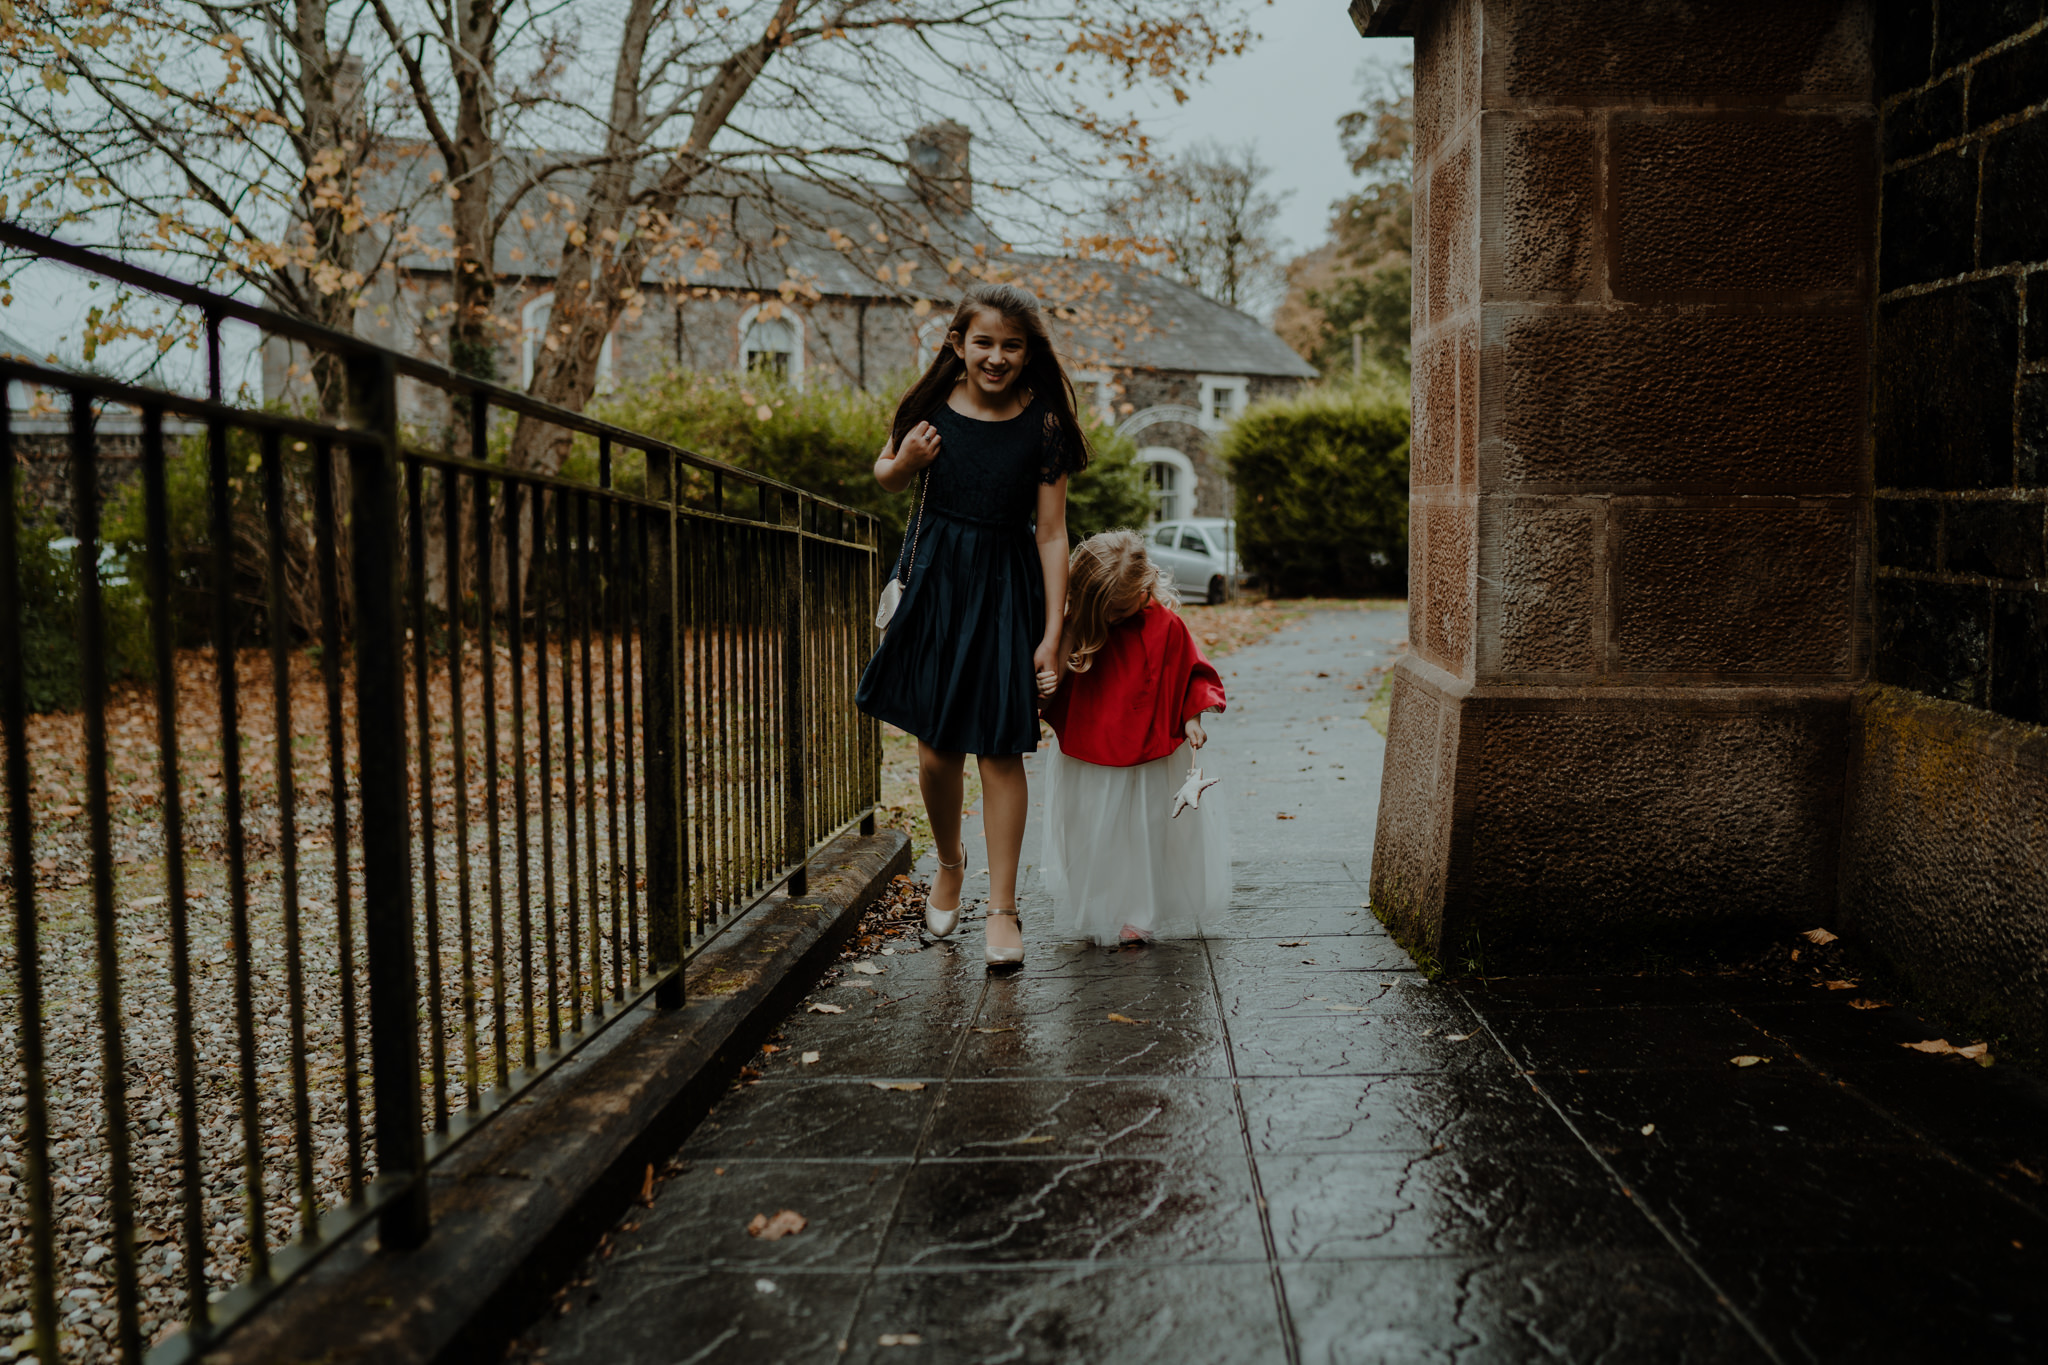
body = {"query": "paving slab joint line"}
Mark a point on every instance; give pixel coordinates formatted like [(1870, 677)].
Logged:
[(517, 1210), (1628, 1191)]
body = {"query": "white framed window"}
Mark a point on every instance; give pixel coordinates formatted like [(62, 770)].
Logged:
[(1095, 391), (931, 336), (1172, 477), (1224, 399), (533, 328), (773, 345)]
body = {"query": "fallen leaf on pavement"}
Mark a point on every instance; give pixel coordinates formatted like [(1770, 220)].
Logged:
[(1460, 1037), (1980, 1053), (1032, 1141), (828, 1009), (810, 1057), (897, 1085), (1819, 936), (1001, 1028), (1293, 943), (647, 1186), (1861, 1004), (1649, 1128), (1124, 1019), (867, 969), (776, 1228), (899, 1339), (1841, 985), (1931, 1045), (1282, 815), (1747, 1059)]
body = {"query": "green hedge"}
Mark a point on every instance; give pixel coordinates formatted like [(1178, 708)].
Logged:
[(1322, 489), (825, 439), (48, 582)]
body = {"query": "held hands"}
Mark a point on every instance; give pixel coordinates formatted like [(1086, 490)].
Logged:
[(1046, 662), (919, 448), (1197, 736)]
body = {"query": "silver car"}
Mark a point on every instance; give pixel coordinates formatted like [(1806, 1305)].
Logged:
[(1202, 556)]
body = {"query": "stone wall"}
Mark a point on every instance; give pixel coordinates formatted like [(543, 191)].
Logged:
[(1639, 508), (1945, 866)]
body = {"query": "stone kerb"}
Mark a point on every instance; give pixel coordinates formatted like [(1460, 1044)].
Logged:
[(1639, 490)]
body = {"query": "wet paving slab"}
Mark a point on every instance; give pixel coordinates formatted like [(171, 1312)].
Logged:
[(1282, 1142)]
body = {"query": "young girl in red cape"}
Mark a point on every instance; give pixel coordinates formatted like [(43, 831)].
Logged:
[(1127, 858)]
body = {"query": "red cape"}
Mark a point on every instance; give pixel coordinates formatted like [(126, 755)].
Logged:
[(1147, 682)]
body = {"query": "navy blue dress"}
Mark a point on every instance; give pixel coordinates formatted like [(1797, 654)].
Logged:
[(954, 668)]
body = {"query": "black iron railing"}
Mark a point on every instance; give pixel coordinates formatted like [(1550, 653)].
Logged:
[(433, 771)]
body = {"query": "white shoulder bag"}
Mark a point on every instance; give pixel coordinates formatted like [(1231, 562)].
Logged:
[(892, 591)]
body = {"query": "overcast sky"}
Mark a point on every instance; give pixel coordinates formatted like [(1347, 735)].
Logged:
[(1285, 95)]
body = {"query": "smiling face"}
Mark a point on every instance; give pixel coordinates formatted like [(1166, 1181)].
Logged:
[(994, 349)]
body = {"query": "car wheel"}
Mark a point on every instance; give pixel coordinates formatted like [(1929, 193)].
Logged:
[(1218, 590)]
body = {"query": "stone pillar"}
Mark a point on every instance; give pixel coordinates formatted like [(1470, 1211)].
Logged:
[(1640, 506)]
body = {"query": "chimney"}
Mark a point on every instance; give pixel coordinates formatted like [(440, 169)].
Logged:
[(940, 170)]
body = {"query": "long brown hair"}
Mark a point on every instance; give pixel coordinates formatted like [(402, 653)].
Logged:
[(1041, 376), (1109, 576)]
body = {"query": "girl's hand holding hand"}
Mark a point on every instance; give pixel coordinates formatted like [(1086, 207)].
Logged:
[(1197, 736), (1047, 664), (920, 446)]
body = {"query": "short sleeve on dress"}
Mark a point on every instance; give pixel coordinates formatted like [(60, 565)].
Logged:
[(1054, 460)]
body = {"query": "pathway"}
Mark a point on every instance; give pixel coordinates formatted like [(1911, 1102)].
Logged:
[(1281, 1143)]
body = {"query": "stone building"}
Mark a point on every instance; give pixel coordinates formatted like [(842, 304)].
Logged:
[(1730, 604), (848, 285)]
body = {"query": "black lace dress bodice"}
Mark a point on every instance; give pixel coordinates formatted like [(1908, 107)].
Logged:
[(955, 668)]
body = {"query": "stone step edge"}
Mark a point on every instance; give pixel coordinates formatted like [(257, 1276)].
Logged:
[(519, 1206)]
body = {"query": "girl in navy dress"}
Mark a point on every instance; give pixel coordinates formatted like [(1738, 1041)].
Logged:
[(989, 434)]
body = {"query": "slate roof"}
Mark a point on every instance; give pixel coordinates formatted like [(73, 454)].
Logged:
[(760, 229)]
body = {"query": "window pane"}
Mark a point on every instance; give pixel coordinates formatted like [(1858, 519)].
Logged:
[(1163, 537), (1191, 539)]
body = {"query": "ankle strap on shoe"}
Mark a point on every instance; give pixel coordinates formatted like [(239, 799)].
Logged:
[(950, 866)]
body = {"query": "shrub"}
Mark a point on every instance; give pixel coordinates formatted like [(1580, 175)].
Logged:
[(825, 439), (48, 584), (1322, 489)]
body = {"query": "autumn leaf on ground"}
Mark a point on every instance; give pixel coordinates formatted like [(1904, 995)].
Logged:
[(1649, 1128), (1294, 943), (1460, 1037), (899, 1339), (897, 1085), (1862, 1004), (647, 1186), (780, 1226), (1747, 1059), (809, 1057), (1000, 1028), (1975, 1052), (1124, 1019), (1841, 985), (1282, 815), (1819, 936), (1936, 1045), (867, 969), (828, 1009)]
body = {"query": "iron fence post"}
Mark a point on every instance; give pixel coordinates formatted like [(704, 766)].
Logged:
[(665, 909), (385, 797), (796, 825)]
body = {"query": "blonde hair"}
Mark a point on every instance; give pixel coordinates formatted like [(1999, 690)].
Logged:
[(1109, 577)]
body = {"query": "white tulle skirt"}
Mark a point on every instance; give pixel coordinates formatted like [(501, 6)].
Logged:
[(1115, 855)]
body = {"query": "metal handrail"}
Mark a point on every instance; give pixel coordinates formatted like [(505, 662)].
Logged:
[(711, 653)]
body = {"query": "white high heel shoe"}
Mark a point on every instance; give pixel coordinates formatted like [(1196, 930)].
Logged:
[(940, 923), (1003, 957)]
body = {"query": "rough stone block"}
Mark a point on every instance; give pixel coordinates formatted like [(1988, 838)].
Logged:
[(1997, 539), (1468, 404), (1904, 45), (1942, 873), (1708, 203), (2019, 654), (1408, 852), (1549, 594), (1446, 62), (1541, 239), (1447, 632), (1934, 638), (1733, 590), (1734, 47), (2037, 315), (2015, 195), (1917, 124), (1930, 221), (2033, 451), (1453, 241), (1967, 28), (1942, 379), (1907, 529), (2007, 82), (1615, 820), (1434, 440), (1715, 401)]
